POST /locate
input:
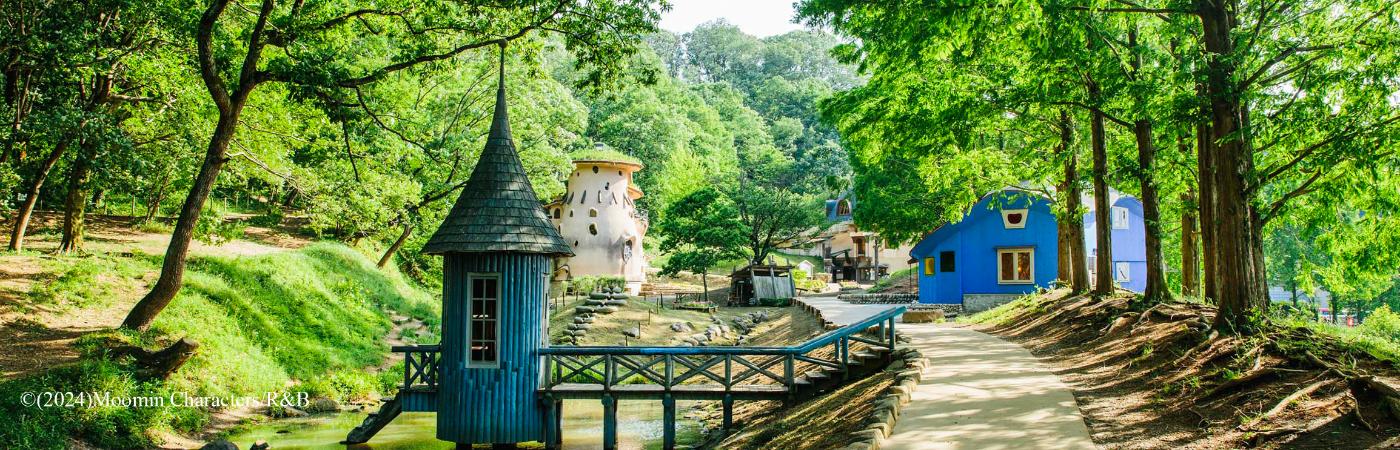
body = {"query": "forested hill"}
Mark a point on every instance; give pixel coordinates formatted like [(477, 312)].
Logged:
[(379, 157)]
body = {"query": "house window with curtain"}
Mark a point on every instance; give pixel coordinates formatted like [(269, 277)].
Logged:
[(1015, 266)]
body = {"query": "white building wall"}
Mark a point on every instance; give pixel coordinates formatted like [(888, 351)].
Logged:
[(598, 217)]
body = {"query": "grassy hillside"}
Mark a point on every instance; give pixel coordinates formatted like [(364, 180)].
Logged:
[(308, 320)]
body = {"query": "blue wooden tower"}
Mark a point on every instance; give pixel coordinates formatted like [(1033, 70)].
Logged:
[(498, 248)]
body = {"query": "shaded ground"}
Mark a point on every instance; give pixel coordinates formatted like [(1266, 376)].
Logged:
[(1156, 379)]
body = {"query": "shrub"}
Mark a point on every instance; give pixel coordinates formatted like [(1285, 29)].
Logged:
[(1382, 323)]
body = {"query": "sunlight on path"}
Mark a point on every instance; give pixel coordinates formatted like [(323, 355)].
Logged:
[(980, 392)]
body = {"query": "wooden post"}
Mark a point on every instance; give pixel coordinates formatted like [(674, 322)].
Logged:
[(609, 422), (728, 413), (553, 422), (668, 419)]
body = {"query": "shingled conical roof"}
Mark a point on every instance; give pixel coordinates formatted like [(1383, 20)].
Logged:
[(498, 210)]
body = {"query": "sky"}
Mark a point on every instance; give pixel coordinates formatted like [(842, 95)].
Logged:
[(760, 18)]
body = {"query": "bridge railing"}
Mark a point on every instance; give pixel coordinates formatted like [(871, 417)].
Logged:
[(668, 368), (420, 366)]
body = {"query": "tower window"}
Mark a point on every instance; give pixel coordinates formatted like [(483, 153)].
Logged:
[(571, 213), (1120, 218), (843, 207), (592, 212), (557, 213), (593, 229), (595, 169), (607, 186), (485, 313)]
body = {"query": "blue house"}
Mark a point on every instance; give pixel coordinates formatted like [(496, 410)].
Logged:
[(1007, 246), (1129, 244)]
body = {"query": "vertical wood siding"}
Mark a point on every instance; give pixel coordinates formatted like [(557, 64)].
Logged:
[(497, 405)]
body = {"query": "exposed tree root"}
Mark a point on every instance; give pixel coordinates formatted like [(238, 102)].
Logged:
[(159, 364), (1283, 404), (1238, 382)]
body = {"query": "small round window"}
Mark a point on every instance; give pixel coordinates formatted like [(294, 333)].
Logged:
[(595, 169), (592, 213), (593, 229)]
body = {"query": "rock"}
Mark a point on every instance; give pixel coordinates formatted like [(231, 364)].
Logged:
[(606, 309), (724, 329), (714, 330), (700, 337), (690, 341), (259, 445), (895, 366), (592, 302), (762, 316), (597, 296), (583, 320), (580, 326), (576, 333), (322, 404), (682, 327), (219, 445), (925, 316), (632, 332), (615, 302), (743, 323), (585, 309)]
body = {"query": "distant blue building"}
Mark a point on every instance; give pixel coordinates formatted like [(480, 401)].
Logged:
[(1007, 246), (1129, 244)]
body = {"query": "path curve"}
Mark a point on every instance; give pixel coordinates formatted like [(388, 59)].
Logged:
[(978, 391)]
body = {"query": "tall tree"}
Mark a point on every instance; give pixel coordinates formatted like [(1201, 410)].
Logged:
[(307, 54), (698, 232)]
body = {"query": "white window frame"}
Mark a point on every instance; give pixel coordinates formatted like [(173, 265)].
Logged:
[(1116, 212), (1016, 251), (471, 278), (1006, 221), (1122, 272)]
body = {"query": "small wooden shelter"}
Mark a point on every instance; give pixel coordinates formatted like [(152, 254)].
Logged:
[(755, 282)]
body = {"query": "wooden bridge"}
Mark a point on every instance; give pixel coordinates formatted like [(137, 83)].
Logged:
[(668, 374)]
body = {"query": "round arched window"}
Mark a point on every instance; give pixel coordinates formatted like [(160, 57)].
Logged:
[(627, 251), (593, 229), (557, 213), (595, 169), (592, 213)]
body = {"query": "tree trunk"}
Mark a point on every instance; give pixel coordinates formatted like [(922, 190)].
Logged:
[(1190, 259), (1156, 289), (172, 271), (1073, 260), (31, 198), (1205, 202), (158, 197), (394, 248), (1103, 231), (75, 207), (1238, 262), (705, 282)]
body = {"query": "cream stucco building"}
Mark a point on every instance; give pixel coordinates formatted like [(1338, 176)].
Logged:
[(598, 216)]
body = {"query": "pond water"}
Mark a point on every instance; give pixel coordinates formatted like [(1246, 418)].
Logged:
[(639, 427)]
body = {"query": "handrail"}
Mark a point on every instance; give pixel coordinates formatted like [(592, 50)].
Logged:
[(813, 344)]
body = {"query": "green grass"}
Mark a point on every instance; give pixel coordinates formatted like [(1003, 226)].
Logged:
[(898, 276), (1001, 314), (311, 319)]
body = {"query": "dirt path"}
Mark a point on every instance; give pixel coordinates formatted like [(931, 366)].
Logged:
[(978, 392)]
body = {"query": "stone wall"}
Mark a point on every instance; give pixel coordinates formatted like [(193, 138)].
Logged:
[(974, 303), (880, 299)]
